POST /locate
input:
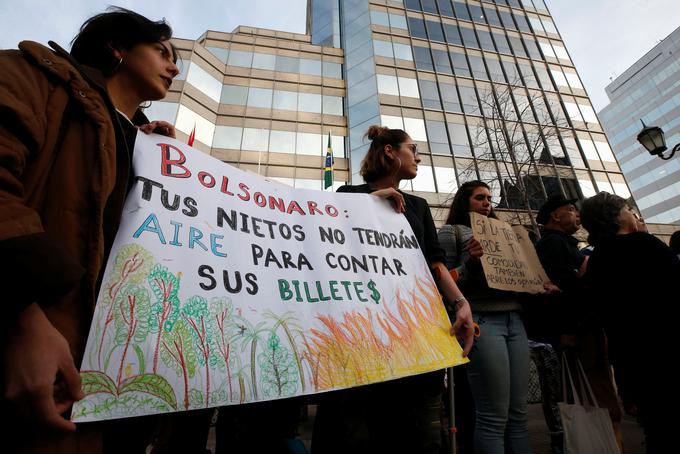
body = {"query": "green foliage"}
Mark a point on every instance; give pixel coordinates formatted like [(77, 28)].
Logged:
[(140, 314), (179, 337), (197, 315), (196, 398), (94, 382), (150, 384), (131, 266), (123, 406), (279, 374), (165, 287), (141, 361)]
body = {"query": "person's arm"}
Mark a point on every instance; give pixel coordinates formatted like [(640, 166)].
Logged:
[(39, 376), (463, 327), (34, 266)]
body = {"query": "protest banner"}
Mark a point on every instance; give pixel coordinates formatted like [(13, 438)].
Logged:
[(223, 288), (509, 261)]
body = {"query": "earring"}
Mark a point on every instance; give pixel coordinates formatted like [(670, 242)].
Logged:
[(117, 67)]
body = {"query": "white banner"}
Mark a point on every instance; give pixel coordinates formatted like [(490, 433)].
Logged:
[(224, 288)]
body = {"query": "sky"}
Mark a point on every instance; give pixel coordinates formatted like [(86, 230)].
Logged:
[(603, 37)]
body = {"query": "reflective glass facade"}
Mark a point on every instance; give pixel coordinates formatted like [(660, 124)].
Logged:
[(458, 74), (452, 73), (649, 91)]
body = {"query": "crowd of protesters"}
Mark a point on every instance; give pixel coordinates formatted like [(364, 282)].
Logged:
[(68, 125)]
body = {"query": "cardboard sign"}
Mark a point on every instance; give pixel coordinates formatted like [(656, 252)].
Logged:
[(224, 288), (509, 261)]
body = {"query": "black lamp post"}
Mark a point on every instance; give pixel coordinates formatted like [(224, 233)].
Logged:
[(652, 138)]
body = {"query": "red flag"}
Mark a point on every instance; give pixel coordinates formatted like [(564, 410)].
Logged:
[(192, 136)]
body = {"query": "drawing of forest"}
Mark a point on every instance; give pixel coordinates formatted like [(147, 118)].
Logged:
[(154, 350)]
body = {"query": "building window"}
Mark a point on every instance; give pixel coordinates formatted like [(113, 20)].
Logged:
[(461, 10), (285, 100), (415, 127), (199, 78), (468, 98), (423, 58), (439, 141), (469, 37), (234, 94), (450, 98), (491, 16), (417, 28), (282, 142), (434, 31), (260, 97), (309, 144), (485, 40), (264, 61), (240, 58), (403, 52), (408, 87), (459, 139), (452, 34), (255, 139), (228, 137), (429, 94), (310, 67), (441, 61), (332, 105), (460, 65), (517, 47), (387, 85), (309, 102), (477, 66), (287, 64), (445, 8)]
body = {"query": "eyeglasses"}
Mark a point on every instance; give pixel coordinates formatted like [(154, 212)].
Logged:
[(411, 146)]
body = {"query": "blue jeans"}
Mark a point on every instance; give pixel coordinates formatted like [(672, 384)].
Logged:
[(499, 374)]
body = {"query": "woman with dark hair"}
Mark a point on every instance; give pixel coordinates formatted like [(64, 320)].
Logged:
[(401, 415), (498, 372), (67, 129), (627, 271)]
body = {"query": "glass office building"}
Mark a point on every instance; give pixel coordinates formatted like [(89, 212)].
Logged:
[(261, 100), (649, 91), (486, 89)]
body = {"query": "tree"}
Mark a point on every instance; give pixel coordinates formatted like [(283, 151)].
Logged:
[(130, 320), (130, 266), (165, 311), (177, 353), (517, 134), (224, 338), (196, 314), (278, 369)]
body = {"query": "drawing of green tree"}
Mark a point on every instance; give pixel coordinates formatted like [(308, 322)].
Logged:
[(165, 311), (224, 335), (291, 330), (279, 373), (131, 265), (250, 335), (195, 312), (178, 354), (130, 320)]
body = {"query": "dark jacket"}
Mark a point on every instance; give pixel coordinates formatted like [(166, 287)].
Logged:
[(63, 178)]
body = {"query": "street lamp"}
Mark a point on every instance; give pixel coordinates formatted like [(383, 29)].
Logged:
[(652, 138)]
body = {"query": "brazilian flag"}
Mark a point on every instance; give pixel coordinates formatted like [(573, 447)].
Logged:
[(328, 165)]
